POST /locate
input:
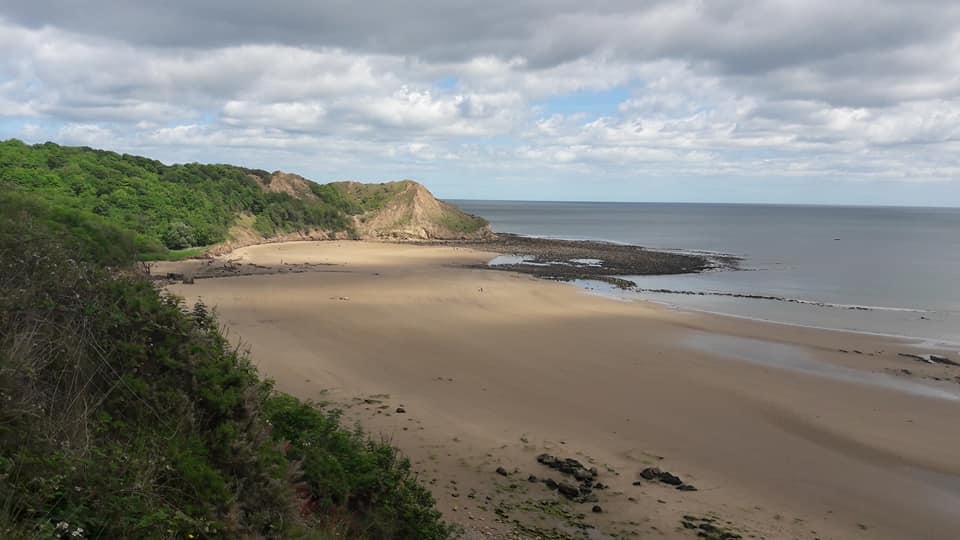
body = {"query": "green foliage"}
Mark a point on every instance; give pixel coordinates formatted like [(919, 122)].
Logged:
[(344, 469), (461, 222), (283, 213), (126, 415), (97, 239), (173, 254), (357, 198), (172, 206)]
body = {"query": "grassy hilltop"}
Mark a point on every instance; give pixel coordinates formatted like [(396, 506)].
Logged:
[(171, 210), (126, 414)]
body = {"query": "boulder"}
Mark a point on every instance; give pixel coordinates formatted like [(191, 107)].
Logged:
[(569, 491), (670, 479), (650, 473)]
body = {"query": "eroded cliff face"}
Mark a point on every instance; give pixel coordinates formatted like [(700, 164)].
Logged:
[(403, 210), (413, 213)]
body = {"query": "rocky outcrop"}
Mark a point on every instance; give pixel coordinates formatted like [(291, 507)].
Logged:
[(413, 213), (403, 210)]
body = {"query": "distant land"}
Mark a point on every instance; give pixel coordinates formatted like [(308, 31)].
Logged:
[(172, 211)]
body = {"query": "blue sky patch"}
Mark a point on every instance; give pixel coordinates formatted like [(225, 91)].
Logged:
[(595, 103)]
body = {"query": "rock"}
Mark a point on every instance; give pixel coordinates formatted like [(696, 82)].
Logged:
[(686, 487), (570, 466), (568, 490), (551, 483), (598, 485), (546, 459), (942, 360), (582, 475), (502, 472), (401, 410), (597, 509), (650, 473), (638, 483), (653, 473), (930, 358), (531, 478), (670, 479)]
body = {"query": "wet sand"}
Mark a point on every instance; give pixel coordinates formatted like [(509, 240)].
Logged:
[(769, 422)]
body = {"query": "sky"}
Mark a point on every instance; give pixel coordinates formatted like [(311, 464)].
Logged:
[(778, 101)]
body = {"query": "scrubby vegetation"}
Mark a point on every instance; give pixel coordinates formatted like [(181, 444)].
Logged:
[(126, 414), (163, 206), (461, 222), (357, 198), (167, 211)]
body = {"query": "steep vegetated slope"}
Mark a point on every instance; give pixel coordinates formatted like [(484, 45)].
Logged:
[(406, 210), (177, 207), (126, 414)]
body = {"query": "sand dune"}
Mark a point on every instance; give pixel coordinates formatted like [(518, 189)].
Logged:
[(770, 422)]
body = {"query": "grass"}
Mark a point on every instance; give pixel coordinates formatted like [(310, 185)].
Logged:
[(461, 222), (174, 254)]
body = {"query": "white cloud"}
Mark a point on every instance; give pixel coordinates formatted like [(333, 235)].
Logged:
[(770, 89)]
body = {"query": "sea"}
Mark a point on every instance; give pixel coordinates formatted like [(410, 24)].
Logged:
[(883, 270)]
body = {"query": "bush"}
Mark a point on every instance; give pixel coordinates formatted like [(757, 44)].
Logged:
[(126, 415), (344, 469)]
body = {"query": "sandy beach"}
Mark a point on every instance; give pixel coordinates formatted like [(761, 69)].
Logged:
[(786, 432)]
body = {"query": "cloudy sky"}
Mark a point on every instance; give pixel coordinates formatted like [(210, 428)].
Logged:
[(805, 101)]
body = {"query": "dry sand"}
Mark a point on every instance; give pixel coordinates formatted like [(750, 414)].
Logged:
[(784, 435)]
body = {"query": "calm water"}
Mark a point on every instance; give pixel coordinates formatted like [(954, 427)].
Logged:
[(902, 263)]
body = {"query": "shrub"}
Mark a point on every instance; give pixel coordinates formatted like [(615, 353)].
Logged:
[(127, 415)]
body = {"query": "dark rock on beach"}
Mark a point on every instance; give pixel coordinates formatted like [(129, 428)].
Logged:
[(562, 259), (930, 359), (569, 491), (582, 490), (653, 473)]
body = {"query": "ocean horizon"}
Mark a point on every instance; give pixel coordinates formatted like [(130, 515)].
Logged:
[(888, 270), (459, 201)]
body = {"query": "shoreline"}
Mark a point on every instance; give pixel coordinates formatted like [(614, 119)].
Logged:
[(223, 265), (918, 342), (493, 378)]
